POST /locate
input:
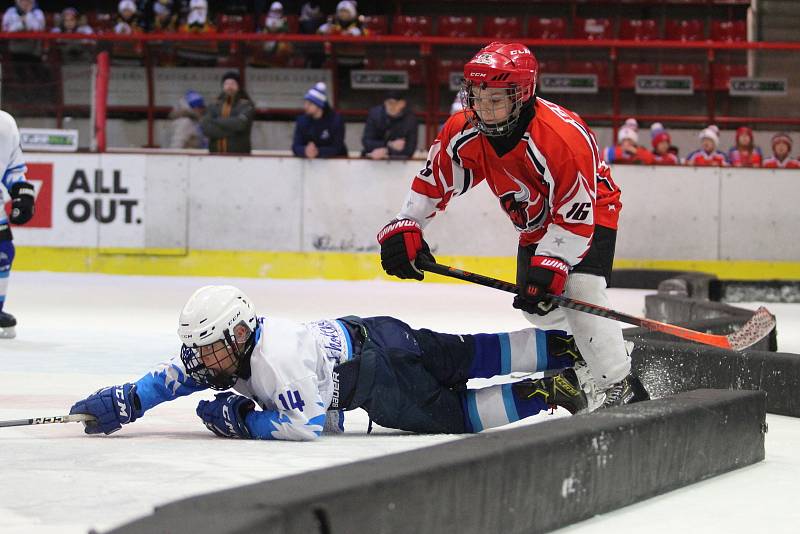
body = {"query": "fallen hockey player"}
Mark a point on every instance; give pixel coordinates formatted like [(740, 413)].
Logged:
[(302, 376)]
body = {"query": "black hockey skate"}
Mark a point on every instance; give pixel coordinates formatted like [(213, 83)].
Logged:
[(627, 391), (559, 390), (7, 324)]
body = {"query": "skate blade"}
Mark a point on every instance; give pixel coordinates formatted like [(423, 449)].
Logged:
[(8, 332)]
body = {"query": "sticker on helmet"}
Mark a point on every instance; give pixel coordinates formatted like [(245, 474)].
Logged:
[(485, 59)]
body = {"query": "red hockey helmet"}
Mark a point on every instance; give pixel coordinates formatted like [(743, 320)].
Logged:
[(497, 82)]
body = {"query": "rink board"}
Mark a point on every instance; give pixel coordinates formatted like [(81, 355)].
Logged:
[(529, 479)]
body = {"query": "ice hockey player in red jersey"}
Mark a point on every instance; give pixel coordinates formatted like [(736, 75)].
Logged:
[(662, 145), (781, 148), (745, 153), (708, 155), (542, 163)]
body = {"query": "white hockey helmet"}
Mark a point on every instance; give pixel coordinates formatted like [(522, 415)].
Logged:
[(222, 318)]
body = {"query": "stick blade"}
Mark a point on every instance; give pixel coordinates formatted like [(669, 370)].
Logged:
[(757, 328)]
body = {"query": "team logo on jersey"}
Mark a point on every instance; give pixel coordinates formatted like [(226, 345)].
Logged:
[(525, 209)]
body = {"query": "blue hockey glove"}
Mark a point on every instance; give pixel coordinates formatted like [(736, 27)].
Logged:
[(112, 407), (224, 416)]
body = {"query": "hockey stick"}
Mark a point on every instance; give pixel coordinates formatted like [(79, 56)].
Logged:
[(77, 418), (754, 330)]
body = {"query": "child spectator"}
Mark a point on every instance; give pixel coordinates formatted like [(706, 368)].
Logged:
[(186, 116), (745, 153), (345, 22), (311, 17), (662, 143), (319, 132), (708, 155), (128, 19), (781, 147), (276, 22), (390, 130), (24, 17), (165, 19), (197, 52), (70, 22), (627, 149)]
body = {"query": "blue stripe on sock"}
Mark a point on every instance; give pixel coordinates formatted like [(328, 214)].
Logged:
[(472, 412), (508, 402), (505, 354), (541, 350), (5, 274)]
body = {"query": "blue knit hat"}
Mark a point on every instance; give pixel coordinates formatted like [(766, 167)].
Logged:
[(194, 99), (318, 94)]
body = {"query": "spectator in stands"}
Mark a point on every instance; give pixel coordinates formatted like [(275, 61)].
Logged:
[(24, 16), (319, 132), (662, 143), (186, 116), (745, 153), (345, 22), (311, 17), (128, 19), (276, 22), (205, 53), (781, 147), (708, 155), (627, 149), (229, 121), (391, 129), (165, 18), (69, 21)]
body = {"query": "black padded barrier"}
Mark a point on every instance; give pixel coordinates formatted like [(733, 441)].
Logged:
[(528, 479), (667, 368)]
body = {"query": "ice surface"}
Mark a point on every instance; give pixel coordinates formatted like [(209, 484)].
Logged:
[(78, 333)]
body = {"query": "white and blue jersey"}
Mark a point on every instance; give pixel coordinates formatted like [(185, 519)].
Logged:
[(11, 160), (291, 378)]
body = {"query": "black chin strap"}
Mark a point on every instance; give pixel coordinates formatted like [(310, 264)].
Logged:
[(503, 144)]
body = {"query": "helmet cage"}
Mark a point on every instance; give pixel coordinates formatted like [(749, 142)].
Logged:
[(485, 118), (218, 368)]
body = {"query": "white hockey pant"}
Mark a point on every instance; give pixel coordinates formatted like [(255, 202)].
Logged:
[(599, 339)]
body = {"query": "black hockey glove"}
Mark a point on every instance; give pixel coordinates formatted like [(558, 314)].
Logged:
[(22, 197), (401, 243), (545, 276)]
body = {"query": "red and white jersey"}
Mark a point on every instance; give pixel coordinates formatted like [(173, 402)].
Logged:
[(745, 158), (665, 159), (701, 158), (552, 185), (786, 163)]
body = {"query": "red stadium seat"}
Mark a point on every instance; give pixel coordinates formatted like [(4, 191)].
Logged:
[(502, 27), (412, 66), (376, 24), (638, 29), (590, 67), (101, 22), (547, 28), (627, 72), (412, 26), (723, 72), (696, 71), (445, 67), (728, 30), (592, 29), (684, 30), (458, 26), (235, 23)]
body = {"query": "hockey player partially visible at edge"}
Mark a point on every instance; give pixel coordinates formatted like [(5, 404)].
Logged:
[(541, 161), (22, 206), (292, 380)]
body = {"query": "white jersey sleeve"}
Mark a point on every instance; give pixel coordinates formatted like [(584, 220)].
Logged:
[(11, 159)]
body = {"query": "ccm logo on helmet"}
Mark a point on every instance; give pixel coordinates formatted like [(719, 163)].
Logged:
[(518, 52), (478, 74)]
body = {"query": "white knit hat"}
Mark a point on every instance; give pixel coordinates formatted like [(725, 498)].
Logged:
[(631, 123), (348, 6), (710, 132), (626, 132), (126, 5)]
